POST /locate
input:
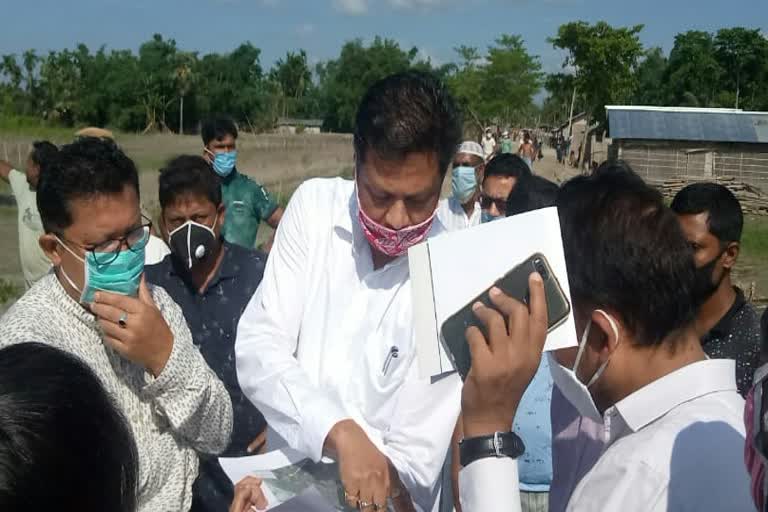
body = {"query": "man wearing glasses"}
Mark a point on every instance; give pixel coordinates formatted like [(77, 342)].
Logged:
[(97, 306), (501, 176)]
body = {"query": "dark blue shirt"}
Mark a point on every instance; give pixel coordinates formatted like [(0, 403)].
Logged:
[(212, 317)]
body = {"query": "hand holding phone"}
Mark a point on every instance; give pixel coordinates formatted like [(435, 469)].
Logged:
[(506, 352), (515, 285)]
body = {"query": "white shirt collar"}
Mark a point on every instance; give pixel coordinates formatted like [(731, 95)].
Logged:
[(654, 400)]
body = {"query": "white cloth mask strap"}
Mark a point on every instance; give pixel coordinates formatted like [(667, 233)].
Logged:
[(583, 344)]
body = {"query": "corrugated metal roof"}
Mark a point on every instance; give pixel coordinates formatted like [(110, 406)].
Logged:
[(705, 125)]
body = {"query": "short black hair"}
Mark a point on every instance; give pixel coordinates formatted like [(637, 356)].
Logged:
[(43, 153), (217, 128), (532, 193), (726, 219), (63, 443), (406, 113), (625, 251), (85, 168), (507, 165), (188, 174)]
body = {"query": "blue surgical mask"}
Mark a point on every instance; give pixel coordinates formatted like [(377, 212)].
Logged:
[(223, 163), (487, 217), (463, 183), (122, 275)]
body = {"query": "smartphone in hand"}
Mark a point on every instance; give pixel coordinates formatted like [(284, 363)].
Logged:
[(515, 284)]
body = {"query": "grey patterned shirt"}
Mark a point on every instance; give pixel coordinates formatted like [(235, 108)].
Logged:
[(185, 409)]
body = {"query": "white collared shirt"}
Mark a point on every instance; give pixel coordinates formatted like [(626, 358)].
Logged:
[(675, 444), (454, 218), (315, 344)]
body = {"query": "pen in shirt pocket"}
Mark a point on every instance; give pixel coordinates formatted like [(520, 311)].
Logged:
[(393, 354)]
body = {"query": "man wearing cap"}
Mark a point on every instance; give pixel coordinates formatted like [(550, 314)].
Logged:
[(462, 209)]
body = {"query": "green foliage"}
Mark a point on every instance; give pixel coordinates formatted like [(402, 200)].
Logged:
[(693, 72), (650, 75), (557, 106), (499, 86), (743, 55), (604, 58), (164, 88), (343, 81)]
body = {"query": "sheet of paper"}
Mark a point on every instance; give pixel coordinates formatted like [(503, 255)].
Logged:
[(287, 475), (450, 270), (308, 501)]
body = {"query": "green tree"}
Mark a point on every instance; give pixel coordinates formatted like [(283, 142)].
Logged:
[(293, 79), (498, 86), (557, 106), (743, 54), (343, 81), (157, 68), (693, 73), (604, 60), (650, 74), (233, 84)]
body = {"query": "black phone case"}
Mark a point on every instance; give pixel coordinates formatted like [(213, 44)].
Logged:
[(515, 284)]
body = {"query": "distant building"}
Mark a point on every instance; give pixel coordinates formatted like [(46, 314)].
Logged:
[(287, 125), (664, 142)]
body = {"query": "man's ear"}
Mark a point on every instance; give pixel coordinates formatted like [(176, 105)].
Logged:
[(161, 228), (610, 330), (222, 212), (480, 173), (731, 255), (50, 246)]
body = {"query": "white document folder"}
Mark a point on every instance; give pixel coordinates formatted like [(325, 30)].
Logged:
[(450, 270)]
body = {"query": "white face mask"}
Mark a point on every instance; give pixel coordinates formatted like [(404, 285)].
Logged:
[(568, 382)]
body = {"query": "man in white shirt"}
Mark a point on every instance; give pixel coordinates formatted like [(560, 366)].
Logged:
[(672, 419), (326, 349), (489, 144), (462, 209), (34, 263)]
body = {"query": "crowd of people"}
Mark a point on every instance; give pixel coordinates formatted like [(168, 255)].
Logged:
[(140, 353)]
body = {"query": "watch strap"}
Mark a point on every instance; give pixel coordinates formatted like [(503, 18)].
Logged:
[(500, 444)]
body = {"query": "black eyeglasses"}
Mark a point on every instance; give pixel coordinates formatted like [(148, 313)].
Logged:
[(136, 240), (487, 201)]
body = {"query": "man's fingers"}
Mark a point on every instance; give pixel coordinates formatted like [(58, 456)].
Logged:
[(107, 312), (144, 295), (112, 330), (114, 343), (478, 346), (538, 323), (494, 324), (379, 499), (504, 303), (248, 494), (258, 442), (352, 495), (122, 302)]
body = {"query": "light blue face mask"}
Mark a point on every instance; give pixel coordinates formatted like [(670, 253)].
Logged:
[(463, 183), (122, 275), (487, 217), (223, 163)]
